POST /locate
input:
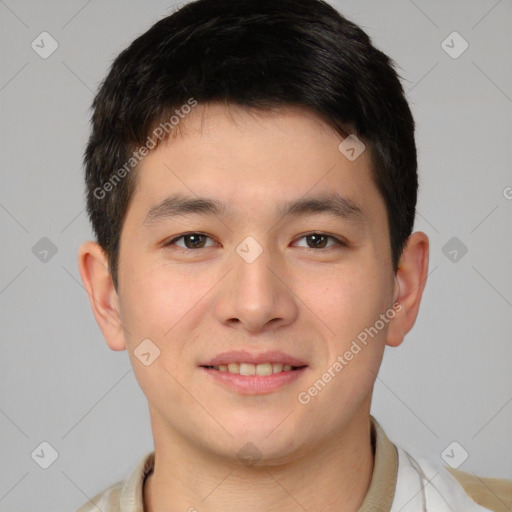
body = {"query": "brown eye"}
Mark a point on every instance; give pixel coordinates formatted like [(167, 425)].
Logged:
[(319, 241), (191, 241)]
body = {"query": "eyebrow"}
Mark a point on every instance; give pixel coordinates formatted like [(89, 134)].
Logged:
[(332, 204)]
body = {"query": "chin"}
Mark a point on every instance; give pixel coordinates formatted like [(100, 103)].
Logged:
[(269, 443)]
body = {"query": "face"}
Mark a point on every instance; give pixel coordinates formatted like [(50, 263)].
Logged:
[(287, 262)]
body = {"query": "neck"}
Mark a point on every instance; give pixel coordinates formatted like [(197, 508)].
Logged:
[(333, 476)]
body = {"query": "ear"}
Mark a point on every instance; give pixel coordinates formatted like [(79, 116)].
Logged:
[(410, 280), (93, 267)]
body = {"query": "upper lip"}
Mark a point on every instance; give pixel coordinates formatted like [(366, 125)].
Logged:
[(243, 356)]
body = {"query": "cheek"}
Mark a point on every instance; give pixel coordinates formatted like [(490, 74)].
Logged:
[(349, 303), (346, 300), (152, 302), (155, 306), (167, 305)]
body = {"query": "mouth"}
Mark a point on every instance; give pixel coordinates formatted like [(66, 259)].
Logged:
[(261, 369), (254, 374)]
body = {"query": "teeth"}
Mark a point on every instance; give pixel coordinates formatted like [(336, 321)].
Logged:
[(247, 369), (264, 369), (233, 368), (277, 368), (254, 369)]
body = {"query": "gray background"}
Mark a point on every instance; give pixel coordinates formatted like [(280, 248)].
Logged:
[(451, 380)]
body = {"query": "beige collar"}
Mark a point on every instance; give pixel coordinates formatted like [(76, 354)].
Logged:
[(385, 470)]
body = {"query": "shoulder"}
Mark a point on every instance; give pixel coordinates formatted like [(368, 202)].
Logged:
[(492, 493), (106, 501), (130, 491)]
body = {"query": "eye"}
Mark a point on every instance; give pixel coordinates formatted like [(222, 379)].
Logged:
[(191, 241), (319, 241)]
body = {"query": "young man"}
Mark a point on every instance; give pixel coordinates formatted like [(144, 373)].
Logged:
[(251, 180)]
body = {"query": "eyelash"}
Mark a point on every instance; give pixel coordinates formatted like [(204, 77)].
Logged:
[(337, 242)]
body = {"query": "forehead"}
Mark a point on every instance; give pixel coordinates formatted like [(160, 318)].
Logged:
[(253, 159)]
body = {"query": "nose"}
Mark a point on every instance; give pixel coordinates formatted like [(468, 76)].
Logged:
[(256, 294)]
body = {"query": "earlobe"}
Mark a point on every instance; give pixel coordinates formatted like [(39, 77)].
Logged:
[(410, 281), (93, 268)]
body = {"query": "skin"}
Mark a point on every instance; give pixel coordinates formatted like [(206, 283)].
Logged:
[(307, 301)]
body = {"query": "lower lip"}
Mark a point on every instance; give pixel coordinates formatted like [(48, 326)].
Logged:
[(255, 384)]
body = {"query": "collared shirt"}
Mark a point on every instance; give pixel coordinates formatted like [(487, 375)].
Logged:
[(399, 482)]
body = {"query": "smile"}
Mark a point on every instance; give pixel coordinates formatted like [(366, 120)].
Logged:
[(253, 379), (254, 369)]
